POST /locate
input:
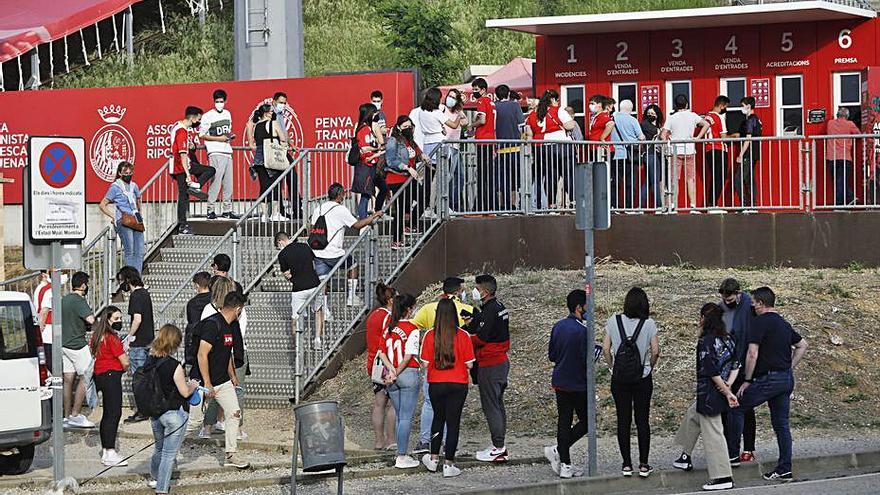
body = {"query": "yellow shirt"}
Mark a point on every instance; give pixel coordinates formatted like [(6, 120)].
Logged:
[(425, 317)]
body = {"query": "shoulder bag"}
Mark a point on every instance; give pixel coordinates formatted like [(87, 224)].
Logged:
[(274, 152)]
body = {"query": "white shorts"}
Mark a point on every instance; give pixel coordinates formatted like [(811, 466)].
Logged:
[(76, 360), (299, 298)]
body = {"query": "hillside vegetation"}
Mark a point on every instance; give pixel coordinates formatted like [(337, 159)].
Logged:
[(442, 37)]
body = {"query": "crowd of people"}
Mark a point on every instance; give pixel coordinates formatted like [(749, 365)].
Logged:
[(745, 356)]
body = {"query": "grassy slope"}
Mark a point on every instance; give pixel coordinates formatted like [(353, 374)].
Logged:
[(836, 388), (340, 36)]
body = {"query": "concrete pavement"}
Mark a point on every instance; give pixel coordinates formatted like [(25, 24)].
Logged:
[(865, 484)]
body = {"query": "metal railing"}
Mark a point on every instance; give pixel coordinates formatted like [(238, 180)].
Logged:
[(844, 172)]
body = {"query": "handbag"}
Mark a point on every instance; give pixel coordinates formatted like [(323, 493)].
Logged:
[(132, 222), (379, 371), (274, 153)]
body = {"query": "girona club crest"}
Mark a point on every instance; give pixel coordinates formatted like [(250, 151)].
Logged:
[(111, 144), (291, 123)]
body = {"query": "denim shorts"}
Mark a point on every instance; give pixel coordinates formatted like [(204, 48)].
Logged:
[(324, 265)]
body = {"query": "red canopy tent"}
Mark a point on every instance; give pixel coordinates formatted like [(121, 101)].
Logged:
[(517, 74), (25, 24)]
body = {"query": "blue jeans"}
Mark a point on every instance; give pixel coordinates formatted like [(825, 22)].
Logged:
[(775, 389), (138, 358), (132, 247), (404, 394), (654, 175), (456, 177), (168, 431)]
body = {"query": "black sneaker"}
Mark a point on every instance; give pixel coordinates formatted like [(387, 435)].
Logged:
[(136, 418), (645, 470), (421, 448), (197, 193), (211, 216), (185, 229), (734, 462), (719, 484), (230, 215), (683, 462), (782, 478)]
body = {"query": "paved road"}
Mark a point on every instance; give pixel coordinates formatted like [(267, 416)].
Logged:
[(867, 484)]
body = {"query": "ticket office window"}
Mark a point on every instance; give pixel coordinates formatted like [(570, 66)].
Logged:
[(574, 96), (735, 89), (626, 91), (848, 94), (673, 89), (789, 105)]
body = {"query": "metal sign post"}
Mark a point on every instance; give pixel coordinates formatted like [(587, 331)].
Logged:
[(592, 211), (55, 217)]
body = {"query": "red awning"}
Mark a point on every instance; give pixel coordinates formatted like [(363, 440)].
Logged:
[(24, 24), (517, 74)]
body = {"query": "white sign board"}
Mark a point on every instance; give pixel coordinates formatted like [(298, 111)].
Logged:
[(57, 194)]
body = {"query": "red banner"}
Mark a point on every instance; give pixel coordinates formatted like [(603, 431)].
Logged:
[(133, 123)]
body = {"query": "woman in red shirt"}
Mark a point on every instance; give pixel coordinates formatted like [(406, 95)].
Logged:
[(110, 363), (400, 164), (448, 354), (371, 150), (382, 415), (399, 356)]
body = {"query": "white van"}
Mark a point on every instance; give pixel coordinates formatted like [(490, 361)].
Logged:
[(25, 400)]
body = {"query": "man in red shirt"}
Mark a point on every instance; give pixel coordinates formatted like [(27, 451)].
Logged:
[(182, 168), (716, 152), (601, 125), (484, 126)]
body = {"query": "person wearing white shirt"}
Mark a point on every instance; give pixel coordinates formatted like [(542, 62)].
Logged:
[(216, 132), (680, 126), (454, 110), (338, 218)]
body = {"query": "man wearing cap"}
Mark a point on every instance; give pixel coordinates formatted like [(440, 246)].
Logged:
[(424, 319), (738, 316)]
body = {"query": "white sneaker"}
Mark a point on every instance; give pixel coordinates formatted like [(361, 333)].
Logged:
[(565, 471), (152, 484), (79, 421), (204, 433), (450, 471), (220, 426), (318, 343), (430, 463), (354, 301), (242, 435), (113, 459), (493, 454), (552, 455), (278, 217), (405, 462)]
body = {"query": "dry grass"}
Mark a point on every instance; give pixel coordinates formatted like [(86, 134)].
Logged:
[(837, 385)]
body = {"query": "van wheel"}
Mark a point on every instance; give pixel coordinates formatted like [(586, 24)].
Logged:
[(18, 463)]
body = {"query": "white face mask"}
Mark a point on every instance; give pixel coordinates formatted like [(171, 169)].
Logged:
[(476, 294), (378, 105), (280, 107), (450, 102), (594, 107), (220, 106), (63, 278), (463, 296)]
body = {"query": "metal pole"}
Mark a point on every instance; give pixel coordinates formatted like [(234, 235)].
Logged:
[(373, 271), (294, 461), (339, 480), (57, 383), (592, 462), (109, 258), (236, 256), (298, 357), (129, 37), (526, 160), (35, 80), (202, 10)]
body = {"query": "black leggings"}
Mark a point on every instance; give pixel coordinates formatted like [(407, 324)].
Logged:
[(567, 404), (447, 399), (110, 386), (266, 177), (629, 399)]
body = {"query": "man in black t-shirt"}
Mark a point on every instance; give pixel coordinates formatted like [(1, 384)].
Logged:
[(141, 328), (216, 369), (296, 262), (194, 307), (221, 265), (749, 154), (774, 350)]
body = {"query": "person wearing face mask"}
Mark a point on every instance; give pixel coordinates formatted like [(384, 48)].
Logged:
[(716, 151), (266, 128), (76, 316), (110, 363), (141, 329), (43, 305), (401, 158), (652, 122), (216, 369), (738, 316), (125, 195), (484, 129), (490, 334), (182, 169), (749, 154), (216, 131), (454, 110), (601, 126), (376, 99)]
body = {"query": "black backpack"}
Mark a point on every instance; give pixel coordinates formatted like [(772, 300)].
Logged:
[(628, 366), (318, 232), (148, 394), (354, 152)]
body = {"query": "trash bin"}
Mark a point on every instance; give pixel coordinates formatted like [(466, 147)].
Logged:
[(321, 436)]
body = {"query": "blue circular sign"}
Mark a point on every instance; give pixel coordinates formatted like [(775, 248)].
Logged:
[(57, 165)]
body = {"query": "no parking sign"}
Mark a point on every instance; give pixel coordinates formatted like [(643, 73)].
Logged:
[(57, 197)]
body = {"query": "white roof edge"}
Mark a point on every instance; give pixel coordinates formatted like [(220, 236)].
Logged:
[(767, 8)]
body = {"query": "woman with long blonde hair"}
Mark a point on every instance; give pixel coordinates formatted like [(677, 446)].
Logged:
[(170, 427)]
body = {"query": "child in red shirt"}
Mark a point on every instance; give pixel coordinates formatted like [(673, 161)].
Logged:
[(110, 363)]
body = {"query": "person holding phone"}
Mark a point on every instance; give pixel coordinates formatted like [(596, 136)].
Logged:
[(216, 132)]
